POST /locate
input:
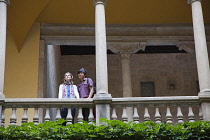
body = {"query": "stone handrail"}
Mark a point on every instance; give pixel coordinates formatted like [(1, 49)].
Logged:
[(45, 102), (129, 101)]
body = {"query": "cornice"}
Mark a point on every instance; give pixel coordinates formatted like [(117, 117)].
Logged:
[(5, 1), (187, 46), (120, 30), (191, 1), (152, 34)]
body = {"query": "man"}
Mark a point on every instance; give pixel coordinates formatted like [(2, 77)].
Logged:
[(85, 89)]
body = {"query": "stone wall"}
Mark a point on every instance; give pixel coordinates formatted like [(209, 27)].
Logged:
[(162, 69)]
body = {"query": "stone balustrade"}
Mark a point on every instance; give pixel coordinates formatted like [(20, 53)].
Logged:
[(173, 109)]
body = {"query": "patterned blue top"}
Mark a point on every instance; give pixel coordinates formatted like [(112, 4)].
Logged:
[(68, 92)]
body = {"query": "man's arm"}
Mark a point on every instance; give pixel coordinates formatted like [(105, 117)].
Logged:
[(91, 92)]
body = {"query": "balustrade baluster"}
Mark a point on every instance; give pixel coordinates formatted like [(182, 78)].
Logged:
[(200, 114), (179, 115), (114, 115), (69, 117), (13, 118), (36, 116), (25, 117), (157, 115), (146, 114), (47, 115), (91, 117), (191, 116), (58, 114), (168, 115), (135, 115), (124, 115), (2, 118), (80, 117)]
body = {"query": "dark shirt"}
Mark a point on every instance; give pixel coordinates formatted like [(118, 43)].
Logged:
[(84, 87)]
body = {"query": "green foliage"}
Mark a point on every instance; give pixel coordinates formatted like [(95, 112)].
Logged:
[(111, 130)]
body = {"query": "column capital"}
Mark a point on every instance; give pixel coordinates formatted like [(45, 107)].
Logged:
[(5, 1), (191, 1), (125, 55), (99, 2)]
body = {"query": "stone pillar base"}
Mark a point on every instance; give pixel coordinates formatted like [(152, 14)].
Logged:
[(102, 102), (204, 97)]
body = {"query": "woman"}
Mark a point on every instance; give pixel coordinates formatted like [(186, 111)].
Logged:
[(68, 90)]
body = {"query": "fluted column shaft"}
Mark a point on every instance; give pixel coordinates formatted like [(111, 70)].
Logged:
[(53, 57), (200, 46), (101, 47), (3, 23), (126, 74)]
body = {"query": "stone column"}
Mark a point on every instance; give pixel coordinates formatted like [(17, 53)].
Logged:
[(53, 71), (102, 98), (42, 90), (101, 48), (125, 50), (201, 57), (200, 46), (3, 23)]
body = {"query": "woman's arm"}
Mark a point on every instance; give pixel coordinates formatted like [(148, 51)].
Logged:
[(76, 92), (60, 92)]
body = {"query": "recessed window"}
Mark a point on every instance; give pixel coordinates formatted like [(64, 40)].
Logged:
[(79, 50), (147, 89), (161, 49)]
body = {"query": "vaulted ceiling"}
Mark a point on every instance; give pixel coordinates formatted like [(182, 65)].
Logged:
[(23, 13)]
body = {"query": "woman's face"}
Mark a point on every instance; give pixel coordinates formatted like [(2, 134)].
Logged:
[(68, 77)]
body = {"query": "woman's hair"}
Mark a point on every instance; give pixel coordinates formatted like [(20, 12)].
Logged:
[(71, 81)]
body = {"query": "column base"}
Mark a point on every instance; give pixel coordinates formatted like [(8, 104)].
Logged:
[(204, 98)]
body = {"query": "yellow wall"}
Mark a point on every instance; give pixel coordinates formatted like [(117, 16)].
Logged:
[(21, 71)]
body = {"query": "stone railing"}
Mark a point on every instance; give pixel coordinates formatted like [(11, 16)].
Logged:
[(175, 109)]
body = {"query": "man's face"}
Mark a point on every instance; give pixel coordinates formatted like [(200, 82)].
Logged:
[(81, 76)]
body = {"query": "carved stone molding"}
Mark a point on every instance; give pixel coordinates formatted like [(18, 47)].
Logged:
[(187, 46), (100, 2), (191, 1), (125, 49), (5, 1), (133, 47)]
